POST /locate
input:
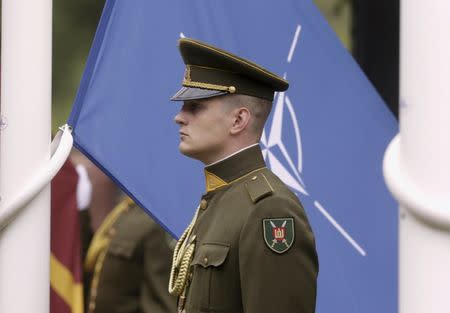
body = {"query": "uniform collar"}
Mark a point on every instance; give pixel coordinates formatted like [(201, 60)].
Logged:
[(226, 171)]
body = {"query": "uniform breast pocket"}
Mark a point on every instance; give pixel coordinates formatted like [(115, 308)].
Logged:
[(209, 264)]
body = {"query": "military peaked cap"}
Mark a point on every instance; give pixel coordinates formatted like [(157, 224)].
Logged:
[(211, 72)]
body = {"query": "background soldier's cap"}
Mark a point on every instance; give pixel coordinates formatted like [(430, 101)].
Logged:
[(211, 72)]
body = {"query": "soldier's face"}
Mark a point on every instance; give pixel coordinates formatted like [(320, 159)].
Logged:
[(204, 129)]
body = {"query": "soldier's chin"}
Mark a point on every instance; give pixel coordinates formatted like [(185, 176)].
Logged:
[(184, 149)]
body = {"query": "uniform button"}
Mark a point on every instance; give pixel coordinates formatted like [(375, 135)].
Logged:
[(112, 231), (91, 306), (203, 204), (254, 177), (205, 261)]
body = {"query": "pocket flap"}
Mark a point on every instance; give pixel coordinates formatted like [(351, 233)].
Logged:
[(122, 248), (210, 254)]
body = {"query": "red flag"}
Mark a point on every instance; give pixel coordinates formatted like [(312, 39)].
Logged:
[(66, 292)]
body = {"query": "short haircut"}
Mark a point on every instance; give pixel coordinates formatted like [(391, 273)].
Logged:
[(258, 107)]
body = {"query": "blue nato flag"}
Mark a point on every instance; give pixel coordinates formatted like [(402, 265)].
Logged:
[(325, 137)]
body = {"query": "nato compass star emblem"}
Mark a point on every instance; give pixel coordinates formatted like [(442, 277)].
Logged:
[(285, 159)]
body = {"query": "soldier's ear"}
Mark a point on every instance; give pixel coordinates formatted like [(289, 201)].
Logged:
[(241, 120)]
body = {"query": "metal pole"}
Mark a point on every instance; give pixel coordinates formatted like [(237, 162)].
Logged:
[(24, 148), (417, 163)]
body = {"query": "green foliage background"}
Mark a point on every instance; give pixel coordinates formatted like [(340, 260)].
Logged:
[(74, 25)]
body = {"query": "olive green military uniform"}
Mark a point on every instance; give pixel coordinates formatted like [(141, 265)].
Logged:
[(234, 269), (130, 257)]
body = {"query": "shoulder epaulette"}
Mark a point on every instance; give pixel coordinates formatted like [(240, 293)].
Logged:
[(258, 187)]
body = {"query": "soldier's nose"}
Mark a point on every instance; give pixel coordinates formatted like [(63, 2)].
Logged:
[(179, 119)]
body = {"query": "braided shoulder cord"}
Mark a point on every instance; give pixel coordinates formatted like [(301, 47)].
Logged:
[(182, 258)]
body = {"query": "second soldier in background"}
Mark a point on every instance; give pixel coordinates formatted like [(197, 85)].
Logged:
[(128, 260)]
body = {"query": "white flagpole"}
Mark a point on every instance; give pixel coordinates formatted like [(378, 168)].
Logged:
[(24, 148), (417, 163)]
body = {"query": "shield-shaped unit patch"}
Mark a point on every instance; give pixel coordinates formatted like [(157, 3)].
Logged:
[(278, 233)]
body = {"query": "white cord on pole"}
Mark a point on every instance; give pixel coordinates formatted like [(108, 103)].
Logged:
[(60, 147)]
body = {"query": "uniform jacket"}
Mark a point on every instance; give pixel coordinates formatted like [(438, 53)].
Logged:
[(234, 269), (132, 275)]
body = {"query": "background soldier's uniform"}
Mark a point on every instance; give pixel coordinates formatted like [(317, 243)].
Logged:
[(250, 247), (130, 260)]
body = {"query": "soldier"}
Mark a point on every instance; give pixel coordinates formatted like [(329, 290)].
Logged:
[(129, 258), (249, 247)]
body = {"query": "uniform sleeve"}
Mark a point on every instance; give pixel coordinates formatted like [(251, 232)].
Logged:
[(157, 259), (277, 282)]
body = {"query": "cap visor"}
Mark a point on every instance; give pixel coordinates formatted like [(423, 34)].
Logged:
[(190, 93)]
